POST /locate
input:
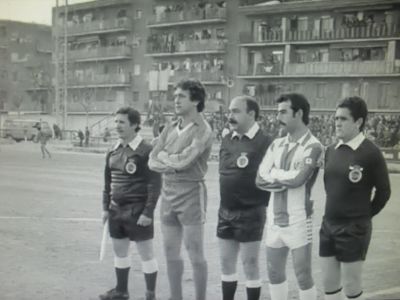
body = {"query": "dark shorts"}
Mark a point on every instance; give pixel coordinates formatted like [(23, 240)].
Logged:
[(122, 223), (241, 225), (348, 241)]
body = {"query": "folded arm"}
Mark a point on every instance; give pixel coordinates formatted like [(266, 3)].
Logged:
[(180, 161), (298, 177)]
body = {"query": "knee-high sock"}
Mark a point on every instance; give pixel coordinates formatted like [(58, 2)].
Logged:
[(200, 273), (122, 267), (279, 291), (150, 269), (336, 295), (175, 273), (229, 285), (310, 294), (253, 289)]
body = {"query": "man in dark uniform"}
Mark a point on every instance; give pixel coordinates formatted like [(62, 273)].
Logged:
[(130, 196), (242, 212), (354, 167)]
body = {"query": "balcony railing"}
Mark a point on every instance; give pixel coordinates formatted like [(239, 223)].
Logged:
[(262, 69), (361, 32), (206, 76), (341, 68), (155, 47), (100, 53), (98, 26), (189, 15), (99, 79), (263, 37)]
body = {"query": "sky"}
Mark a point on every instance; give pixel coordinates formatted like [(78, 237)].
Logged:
[(36, 11)]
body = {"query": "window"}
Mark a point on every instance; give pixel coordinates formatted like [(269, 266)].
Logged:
[(383, 92), (136, 70), (138, 14), (321, 91), (135, 96)]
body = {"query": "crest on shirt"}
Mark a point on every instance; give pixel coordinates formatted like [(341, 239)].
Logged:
[(243, 160), (355, 174), (130, 166)]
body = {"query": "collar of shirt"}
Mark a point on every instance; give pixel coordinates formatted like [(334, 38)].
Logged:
[(354, 143), (251, 133), (197, 120), (133, 144), (289, 140)]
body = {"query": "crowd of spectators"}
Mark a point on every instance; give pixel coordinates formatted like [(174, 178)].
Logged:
[(383, 129)]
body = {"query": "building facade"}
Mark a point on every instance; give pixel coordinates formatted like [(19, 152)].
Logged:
[(123, 52), (104, 66), (324, 49), (25, 68)]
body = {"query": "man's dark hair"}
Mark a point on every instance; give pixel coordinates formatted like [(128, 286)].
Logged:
[(357, 107), (298, 101), (196, 90), (133, 115), (252, 105)]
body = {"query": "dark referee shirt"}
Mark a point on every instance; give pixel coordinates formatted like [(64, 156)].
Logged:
[(238, 189), (128, 178), (352, 170)]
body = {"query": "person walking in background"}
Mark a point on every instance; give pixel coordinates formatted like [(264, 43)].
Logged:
[(130, 195), (42, 138), (87, 136), (288, 171), (241, 215), (81, 137), (181, 155), (357, 188)]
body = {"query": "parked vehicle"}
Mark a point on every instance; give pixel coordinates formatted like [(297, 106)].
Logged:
[(20, 129)]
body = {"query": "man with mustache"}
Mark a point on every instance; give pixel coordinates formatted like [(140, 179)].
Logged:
[(130, 195), (288, 171), (181, 155), (241, 216)]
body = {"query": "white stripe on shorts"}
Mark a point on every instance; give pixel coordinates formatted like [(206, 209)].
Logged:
[(202, 200)]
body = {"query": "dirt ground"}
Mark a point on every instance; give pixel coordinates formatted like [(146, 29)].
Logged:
[(50, 233)]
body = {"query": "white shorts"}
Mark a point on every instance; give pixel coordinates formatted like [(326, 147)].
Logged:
[(293, 236)]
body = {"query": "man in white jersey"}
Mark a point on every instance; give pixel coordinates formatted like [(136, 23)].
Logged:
[(288, 171)]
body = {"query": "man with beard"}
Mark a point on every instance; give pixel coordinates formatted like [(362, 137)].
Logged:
[(288, 171), (181, 155), (241, 216)]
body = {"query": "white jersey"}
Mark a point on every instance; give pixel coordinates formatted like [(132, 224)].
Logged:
[(293, 166)]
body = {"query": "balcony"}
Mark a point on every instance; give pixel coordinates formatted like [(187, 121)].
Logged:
[(263, 69), (266, 36), (101, 53), (361, 32), (340, 69), (121, 24), (99, 80), (188, 47), (206, 77), (208, 16)]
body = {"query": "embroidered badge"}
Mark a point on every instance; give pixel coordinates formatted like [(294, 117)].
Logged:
[(130, 166), (242, 161), (308, 161), (355, 174)]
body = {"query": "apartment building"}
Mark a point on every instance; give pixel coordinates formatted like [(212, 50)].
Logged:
[(25, 68), (189, 39), (324, 49), (105, 62)]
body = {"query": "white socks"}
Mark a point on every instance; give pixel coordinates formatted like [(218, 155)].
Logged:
[(279, 291)]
